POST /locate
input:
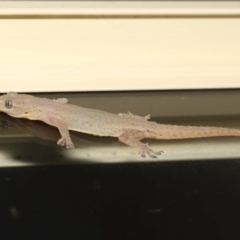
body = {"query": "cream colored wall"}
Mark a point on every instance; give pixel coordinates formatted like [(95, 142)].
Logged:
[(109, 46)]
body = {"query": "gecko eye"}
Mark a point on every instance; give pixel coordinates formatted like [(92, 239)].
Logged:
[(8, 104)]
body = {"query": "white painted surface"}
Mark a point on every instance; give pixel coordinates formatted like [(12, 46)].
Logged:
[(94, 53)]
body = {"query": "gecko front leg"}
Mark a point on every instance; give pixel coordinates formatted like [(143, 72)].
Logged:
[(58, 122), (133, 137)]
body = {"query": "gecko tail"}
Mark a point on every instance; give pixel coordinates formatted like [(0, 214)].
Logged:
[(186, 132)]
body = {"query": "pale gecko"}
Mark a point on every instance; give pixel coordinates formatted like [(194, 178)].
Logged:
[(127, 127)]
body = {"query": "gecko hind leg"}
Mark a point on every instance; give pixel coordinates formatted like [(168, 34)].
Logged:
[(133, 137)]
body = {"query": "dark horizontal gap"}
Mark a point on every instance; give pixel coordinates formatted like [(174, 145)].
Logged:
[(119, 16)]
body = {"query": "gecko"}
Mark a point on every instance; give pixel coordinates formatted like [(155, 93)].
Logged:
[(130, 129)]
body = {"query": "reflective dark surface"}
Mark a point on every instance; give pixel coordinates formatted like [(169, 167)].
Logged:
[(51, 193), (25, 142)]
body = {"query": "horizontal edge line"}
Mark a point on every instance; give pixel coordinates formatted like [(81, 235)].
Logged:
[(114, 16)]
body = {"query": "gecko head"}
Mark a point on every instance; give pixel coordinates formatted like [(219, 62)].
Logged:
[(8, 104)]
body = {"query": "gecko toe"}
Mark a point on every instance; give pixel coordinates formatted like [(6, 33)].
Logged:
[(142, 153), (152, 156), (152, 153), (61, 143), (159, 152), (70, 145), (65, 142), (145, 150)]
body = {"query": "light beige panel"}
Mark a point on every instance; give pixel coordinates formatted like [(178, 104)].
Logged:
[(119, 8), (119, 54)]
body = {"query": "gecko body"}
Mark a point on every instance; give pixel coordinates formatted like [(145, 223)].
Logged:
[(128, 128)]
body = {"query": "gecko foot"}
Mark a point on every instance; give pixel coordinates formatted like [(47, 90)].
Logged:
[(65, 142), (145, 150)]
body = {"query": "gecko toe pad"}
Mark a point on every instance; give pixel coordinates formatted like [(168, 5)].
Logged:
[(65, 142), (145, 150)]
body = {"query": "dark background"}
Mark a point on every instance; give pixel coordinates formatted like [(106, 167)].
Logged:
[(171, 200)]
